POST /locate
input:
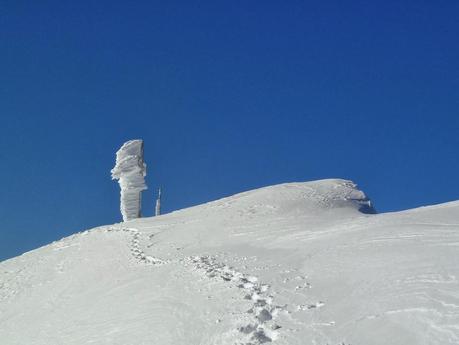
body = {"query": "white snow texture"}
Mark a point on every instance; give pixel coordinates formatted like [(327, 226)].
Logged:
[(130, 171), (292, 264)]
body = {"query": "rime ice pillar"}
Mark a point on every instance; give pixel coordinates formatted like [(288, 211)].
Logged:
[(130, 171)]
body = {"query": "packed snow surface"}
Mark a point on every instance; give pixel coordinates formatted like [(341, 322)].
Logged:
[(130, 171), (296, 263)]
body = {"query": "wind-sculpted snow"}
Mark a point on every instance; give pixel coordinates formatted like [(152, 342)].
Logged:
[(293, 264), (130, 171)]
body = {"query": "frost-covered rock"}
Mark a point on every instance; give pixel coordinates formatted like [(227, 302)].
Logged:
[(130, 171)]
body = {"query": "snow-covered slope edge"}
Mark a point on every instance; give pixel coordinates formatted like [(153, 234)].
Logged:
[(288, 264)]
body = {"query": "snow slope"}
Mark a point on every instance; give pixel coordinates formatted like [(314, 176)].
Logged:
[(296, 263)]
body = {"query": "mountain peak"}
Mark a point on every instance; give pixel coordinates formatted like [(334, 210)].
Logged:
[(298, 198)]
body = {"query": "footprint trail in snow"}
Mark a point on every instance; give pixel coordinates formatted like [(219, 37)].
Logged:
[(262, 328), (136, 250)]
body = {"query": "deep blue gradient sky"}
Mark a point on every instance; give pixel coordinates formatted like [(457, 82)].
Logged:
[(228, 96)]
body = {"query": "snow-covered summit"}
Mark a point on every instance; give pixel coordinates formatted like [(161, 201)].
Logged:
[(295, 263), (300, 198)]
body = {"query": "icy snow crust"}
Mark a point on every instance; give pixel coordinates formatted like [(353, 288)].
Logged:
[(130, 171), (296, 263)]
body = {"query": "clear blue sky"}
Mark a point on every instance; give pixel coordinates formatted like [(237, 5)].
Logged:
[(228, 96)]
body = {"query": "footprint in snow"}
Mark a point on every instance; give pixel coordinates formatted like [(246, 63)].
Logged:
[(262, 328)]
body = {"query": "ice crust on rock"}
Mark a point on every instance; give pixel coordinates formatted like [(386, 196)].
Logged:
[(130, 171)]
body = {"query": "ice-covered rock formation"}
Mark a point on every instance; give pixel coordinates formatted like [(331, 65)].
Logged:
[(130, 171)]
